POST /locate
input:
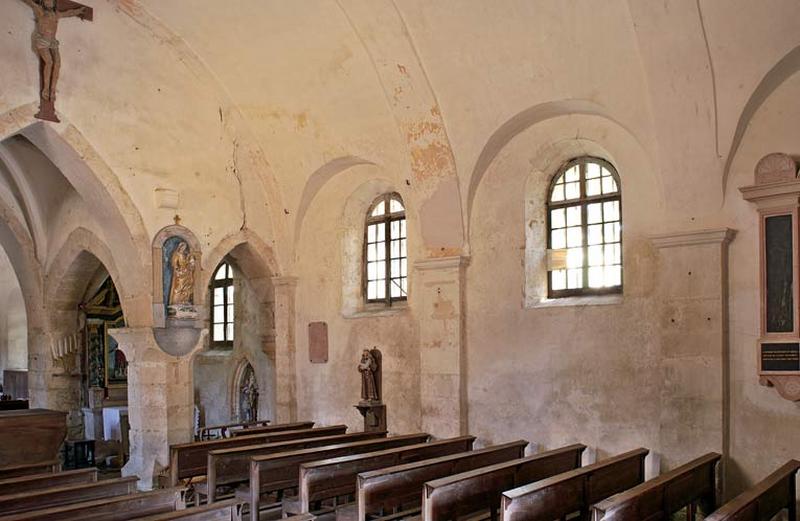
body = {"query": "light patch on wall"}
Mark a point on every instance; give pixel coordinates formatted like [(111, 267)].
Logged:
[(167, 199)]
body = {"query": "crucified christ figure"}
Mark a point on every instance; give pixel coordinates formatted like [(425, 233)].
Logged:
[(44, 40)]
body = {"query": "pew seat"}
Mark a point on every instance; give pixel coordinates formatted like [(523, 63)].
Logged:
[(776, 493), (574, 491), (230, 510), (66, 494), (688, 486), (118, 508), (46, 480)]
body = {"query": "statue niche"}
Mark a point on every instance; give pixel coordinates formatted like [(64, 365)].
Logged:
[(371, 406), (248, 395), (176, 298), (179, 282)]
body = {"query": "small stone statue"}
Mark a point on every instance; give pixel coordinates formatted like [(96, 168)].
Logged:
[(368, 367), (250, 395), (181, 291)]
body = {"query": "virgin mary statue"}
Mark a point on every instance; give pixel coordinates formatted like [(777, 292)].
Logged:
[(181, 291)]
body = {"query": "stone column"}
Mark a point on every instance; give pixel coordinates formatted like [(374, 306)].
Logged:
[(285, 347), (439, 300), (693, 329), (160, 403)]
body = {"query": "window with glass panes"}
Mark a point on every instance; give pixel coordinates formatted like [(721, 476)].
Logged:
[(222, 306), (386, 251), (584, 218)]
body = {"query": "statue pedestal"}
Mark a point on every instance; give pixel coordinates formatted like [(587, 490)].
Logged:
[(374, 416)]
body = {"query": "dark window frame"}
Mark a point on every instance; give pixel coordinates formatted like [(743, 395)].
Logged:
[(387, 219), (583, 201), (225, 283)]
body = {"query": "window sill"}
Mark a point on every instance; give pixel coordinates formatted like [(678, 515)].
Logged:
[(378, 311), (588, 300)]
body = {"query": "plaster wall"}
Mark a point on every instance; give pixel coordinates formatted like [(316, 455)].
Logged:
[(326, 392), (765, 428), (13, 320)]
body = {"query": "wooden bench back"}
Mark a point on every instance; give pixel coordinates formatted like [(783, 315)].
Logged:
[(271, 428), (229, 466), (188, 460), (659, 498), (337, 476), (11, 471), (480, 489), (66, 494), (223, 429), (281, 471), (119, 508), (230, 510), (574, 491), (43, 430), (765, 500), (46, 480), (394, 486)]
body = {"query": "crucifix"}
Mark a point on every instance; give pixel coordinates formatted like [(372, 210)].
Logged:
[(47, 13)]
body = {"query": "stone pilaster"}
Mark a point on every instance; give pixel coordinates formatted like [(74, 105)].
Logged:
[(439, 298), (693, 328), (160, 403), (285, 347)]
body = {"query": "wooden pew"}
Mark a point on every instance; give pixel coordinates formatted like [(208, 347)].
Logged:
[(232, 466), (230, 510), (392, 488), (43, 430), (27, 469), (63, 495), (225, 428), (269, 428), (47, 480), (775, 493), (685, 487), (188, 460), (281, 471), (574, 491), (119, 508), (480, 490), (335, 477)]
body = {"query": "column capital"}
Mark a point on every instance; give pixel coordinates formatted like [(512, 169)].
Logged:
[(721, 236), (442, 263)]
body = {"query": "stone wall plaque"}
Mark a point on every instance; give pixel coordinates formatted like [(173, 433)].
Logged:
[(780, 357), (318, 342)]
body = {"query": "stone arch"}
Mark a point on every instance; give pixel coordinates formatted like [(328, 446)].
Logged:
[(785, 68), (98, 186), (317, 181), (525, 119), (254, 265)]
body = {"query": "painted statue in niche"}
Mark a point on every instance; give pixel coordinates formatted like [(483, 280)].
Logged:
[(179, 271), (248, 396), (47, 14), (368, 367)]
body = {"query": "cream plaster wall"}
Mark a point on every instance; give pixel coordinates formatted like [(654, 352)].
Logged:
[(278, 123), (765, 429)]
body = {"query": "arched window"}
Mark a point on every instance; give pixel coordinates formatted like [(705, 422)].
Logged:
[(584, 220), (386, 251), (222, 306)]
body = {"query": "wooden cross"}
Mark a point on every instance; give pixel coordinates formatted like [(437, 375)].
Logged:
[(47, 13)]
